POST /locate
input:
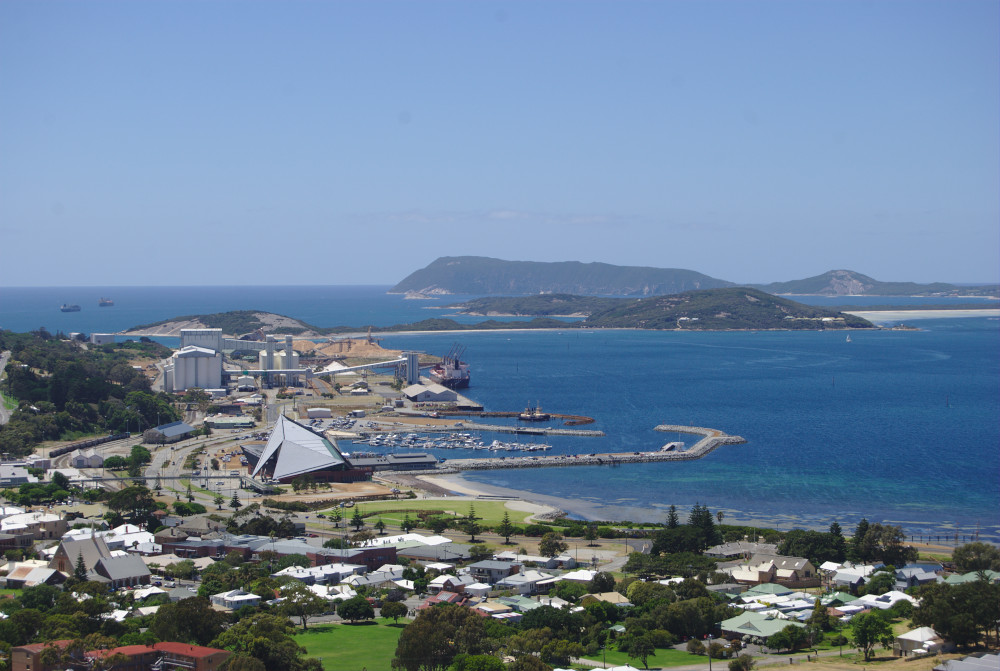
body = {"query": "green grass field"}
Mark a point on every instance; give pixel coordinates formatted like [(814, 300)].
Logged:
[(491, 512), (665, 658), (352, 647)]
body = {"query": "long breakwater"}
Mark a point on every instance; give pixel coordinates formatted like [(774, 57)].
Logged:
[(712, 440)]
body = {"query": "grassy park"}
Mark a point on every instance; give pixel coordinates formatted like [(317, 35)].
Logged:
[(392, 512), (368, 645)]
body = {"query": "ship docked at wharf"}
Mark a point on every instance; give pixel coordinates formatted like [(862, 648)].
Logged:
[(452, 372)]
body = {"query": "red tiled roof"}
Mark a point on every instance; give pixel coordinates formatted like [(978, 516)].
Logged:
[(38, 647), (130, 650), (187, 650)]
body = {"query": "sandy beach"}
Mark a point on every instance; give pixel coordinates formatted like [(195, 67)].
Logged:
[(906, 315)]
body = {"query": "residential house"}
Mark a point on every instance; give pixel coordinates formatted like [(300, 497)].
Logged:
[(740, 549), (528, 582), (491, 571), (164, 655), (754, 624), (30, 573), (607, 597), (444, 597), (235, 599), (450, 583), (922, 641), (42, 526)]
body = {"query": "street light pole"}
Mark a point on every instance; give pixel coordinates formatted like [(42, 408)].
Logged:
[(709, 652)]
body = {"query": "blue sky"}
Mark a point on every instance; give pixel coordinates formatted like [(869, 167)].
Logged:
[(352, 143)]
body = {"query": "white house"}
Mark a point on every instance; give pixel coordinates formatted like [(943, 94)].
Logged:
[(235, 599), (922, 641)]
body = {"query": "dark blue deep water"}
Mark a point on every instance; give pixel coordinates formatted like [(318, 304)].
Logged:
[(898, 426)]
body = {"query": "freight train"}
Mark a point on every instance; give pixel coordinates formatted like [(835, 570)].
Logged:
[(83, 444)]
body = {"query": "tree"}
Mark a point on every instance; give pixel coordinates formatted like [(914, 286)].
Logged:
[(219, 499), (880, 582), (380, 526), (742, 663), (267, 638), (190, 494), (959, 613), (234, 503), (602, 582), (135, 504), (970, 557), (479, 551), (868, 630), (336, 516), (191, 620), (642, 648), (590, 535), (301, 602), (356, 608), (528, 663), (394, 610), (80, 572), (357, 521), (407, 523), (672, 520), (437, 635), (505, 528), (551, 545), (465, 662)]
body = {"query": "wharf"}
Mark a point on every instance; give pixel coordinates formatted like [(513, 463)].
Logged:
[(529, 430), (713, 439)]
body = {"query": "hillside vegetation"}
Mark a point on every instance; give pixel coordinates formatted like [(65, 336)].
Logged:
[(488, 276), (722, 309), (848, 282), (483, 275)]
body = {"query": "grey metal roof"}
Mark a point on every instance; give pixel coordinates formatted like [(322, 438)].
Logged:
[(120, 568), (174, 429)]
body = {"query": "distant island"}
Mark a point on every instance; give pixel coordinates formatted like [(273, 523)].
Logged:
[(732, 308), (487, 276)]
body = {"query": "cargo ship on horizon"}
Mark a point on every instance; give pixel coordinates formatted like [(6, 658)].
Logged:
[(105, 302)]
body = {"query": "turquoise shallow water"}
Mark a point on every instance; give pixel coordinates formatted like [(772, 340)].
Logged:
[(900, 426)]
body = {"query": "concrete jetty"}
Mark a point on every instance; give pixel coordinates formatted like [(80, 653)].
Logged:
[(713, 439), (529, 430)]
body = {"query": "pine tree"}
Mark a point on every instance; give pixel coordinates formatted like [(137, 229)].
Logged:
[(380, 525), (357, 520), (234, 503), (407, 523), (672, 521), (506, 529), (80, 572)]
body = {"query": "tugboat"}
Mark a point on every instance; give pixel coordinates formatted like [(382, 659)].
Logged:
[(534, 413), (452, 372), (105, 302), (70, 308)]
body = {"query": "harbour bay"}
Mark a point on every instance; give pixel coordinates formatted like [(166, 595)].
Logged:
[(898, 426)]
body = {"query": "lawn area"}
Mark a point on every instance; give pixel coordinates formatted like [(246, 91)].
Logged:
[(665, 658), (491, 512), (353, 646)]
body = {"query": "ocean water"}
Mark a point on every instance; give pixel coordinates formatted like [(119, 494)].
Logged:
[(898, 426)]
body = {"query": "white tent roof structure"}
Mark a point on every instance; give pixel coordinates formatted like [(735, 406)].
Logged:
[(297, 450)]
